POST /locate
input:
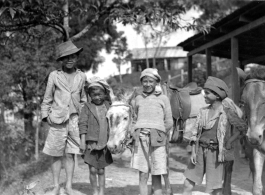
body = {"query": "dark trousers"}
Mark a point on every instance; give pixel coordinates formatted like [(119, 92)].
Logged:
[(228, 169)]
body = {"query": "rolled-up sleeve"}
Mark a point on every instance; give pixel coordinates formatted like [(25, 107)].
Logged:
[(83, 120), (48, 97)]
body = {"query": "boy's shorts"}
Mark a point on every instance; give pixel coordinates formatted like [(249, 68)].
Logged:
[(141, 157), (63, 138), (207, 163)]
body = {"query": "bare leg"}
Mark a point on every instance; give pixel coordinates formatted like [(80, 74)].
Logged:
[(188, 187), (258, 164), (169, 190), (101, 181), (69, 167), (228, 169), (156, 182), (93, 179), (143, 178), (56, 170)]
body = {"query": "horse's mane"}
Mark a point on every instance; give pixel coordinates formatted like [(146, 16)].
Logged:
[(256, 73)]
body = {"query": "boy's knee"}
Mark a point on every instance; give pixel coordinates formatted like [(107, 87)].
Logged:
[(69, 156), (101, 171), (93, 171), (144, 176)]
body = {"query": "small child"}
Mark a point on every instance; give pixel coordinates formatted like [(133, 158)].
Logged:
[(212, 139), (94, 133)]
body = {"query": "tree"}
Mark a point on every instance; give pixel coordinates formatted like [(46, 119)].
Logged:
[(123, 55), (82, 21), (213, 10), (21, 15)]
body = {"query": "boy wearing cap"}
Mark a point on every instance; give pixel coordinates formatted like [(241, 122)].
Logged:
[(211, 140), (153, 121), (62, 103)]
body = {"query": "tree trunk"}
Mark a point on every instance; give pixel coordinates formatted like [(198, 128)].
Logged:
[(28, 124), (2, 114), (120, 73), (146, 55)]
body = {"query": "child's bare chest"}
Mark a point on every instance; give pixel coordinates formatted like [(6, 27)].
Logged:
[(70, 79)]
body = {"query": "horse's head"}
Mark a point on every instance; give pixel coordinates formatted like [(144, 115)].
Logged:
[(253, 97), (119, 118)]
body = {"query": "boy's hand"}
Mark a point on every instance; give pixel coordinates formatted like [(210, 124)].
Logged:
[(228, 145), (193, 158), (83, 146), (49, 121)]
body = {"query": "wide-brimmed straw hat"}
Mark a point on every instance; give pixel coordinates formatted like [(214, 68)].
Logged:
[(65, 49)]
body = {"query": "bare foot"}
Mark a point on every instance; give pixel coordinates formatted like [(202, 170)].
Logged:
[(55, 191), (69, 191), (95, 192)]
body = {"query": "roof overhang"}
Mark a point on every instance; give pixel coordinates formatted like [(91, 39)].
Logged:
[(247, 24)]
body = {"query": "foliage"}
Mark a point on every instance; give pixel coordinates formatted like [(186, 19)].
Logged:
[(24, 14), (122, 54), (213, 10), (12, 137), (27, 65)]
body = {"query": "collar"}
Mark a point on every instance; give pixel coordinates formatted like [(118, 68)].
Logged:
[(76, 70), (156, 93), (219, 112)]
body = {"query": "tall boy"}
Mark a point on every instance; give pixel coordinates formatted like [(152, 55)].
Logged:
[(63, 99)]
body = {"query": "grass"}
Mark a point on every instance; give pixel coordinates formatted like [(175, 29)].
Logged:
[(19, 174)]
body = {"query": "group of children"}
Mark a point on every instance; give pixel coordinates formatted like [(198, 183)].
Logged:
[(78, 121)]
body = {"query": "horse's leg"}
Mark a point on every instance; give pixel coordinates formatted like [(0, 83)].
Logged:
[(257, 175)]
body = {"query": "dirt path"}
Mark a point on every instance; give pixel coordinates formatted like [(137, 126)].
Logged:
[(122, 180)]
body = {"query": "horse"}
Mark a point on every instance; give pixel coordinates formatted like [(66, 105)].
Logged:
[(253, 99), (120, 117)]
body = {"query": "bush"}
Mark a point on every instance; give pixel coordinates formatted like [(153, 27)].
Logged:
[(15, 148)]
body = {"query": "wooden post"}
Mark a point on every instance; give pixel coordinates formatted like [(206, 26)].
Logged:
[(242, 66), (234, 76), (165, 65), (208, 62), (190, 68)]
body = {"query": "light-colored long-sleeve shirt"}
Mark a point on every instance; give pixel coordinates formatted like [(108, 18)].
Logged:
[(60, 99)]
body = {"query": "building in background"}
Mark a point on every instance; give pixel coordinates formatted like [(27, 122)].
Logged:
[(162, 58), (170, 62)]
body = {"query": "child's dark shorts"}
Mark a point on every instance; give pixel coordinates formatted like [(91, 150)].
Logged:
[(207, 163), (98, 158)]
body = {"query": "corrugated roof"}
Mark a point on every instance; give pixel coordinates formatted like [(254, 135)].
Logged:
[(158, 52)]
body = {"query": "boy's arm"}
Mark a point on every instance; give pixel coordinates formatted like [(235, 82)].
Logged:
[(168, 115), (83, 97), (48, 98), (194, 132), (236, 121), (83, 125), (228, 145), (83, 121)]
